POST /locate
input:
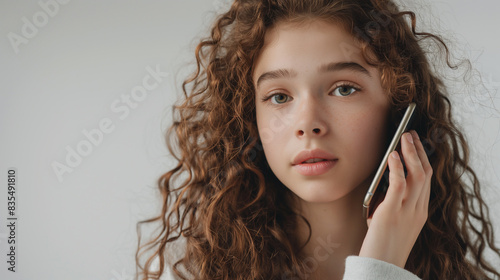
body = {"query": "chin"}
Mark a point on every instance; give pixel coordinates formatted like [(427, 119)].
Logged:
[(321, 195)]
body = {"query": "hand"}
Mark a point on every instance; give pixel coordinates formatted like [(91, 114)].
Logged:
[(399, 218)]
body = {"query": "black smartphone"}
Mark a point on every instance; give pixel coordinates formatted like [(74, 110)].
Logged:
[(367, 210)]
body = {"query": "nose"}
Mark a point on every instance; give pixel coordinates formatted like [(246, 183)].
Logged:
[(315, 131), (311, 119)]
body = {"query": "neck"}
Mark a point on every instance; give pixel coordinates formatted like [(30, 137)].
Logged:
[(337, 231)]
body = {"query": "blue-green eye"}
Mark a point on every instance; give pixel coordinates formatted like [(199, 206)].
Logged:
[(344, 90)]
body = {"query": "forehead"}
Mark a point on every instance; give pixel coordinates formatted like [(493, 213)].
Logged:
[(312, 41)]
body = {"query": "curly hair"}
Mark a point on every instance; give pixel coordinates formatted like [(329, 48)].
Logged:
[(229, 208)]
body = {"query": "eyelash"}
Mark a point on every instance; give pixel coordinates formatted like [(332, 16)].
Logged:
[(339, 85)]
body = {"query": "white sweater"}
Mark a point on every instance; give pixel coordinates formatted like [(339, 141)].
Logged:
[(356, 268), (360, 268)]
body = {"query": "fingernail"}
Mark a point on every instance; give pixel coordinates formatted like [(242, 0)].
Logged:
[(395, 154), (409, 137)]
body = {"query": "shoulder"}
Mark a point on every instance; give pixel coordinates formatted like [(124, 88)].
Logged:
[(360, 268)]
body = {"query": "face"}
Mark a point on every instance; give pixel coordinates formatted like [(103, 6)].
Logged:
[(315, 91)]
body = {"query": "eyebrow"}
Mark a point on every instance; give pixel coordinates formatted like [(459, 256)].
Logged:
[(329, 67)]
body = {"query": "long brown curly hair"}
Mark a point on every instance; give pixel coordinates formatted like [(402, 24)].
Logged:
[(229, 207)]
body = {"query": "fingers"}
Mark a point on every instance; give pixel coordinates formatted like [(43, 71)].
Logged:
[(419, 172), (421, 152), (416, 173), (414, 190), (397, 181), (424, 198)]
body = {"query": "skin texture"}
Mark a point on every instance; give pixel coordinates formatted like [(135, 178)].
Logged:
[(308, 111)]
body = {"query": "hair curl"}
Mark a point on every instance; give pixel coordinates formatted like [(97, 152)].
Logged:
[(227, 208)]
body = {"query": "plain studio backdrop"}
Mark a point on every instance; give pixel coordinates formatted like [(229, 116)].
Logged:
[(87, 89)]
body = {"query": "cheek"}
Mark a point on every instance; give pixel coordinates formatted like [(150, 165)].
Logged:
[(272, 125), (368, 136)]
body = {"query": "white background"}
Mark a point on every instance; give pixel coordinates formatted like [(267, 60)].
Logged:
[(65, 78)]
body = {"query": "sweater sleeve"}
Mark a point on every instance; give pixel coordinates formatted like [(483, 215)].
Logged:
[(361, 268)]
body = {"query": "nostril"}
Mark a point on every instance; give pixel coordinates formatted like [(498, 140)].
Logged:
[(316, 130)]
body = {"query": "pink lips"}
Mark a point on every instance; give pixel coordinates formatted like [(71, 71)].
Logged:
[(314, 169), (317, 168)]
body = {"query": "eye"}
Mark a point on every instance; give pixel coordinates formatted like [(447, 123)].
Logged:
[(344, 90), (281, 98), (277, 98)]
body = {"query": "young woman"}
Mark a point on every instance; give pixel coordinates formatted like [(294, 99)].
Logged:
[(284, 123)]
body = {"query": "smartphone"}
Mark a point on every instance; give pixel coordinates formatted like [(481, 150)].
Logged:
[(383, 165)]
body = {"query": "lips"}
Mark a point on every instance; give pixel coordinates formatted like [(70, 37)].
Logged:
[(314, 169), (312, 154)]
